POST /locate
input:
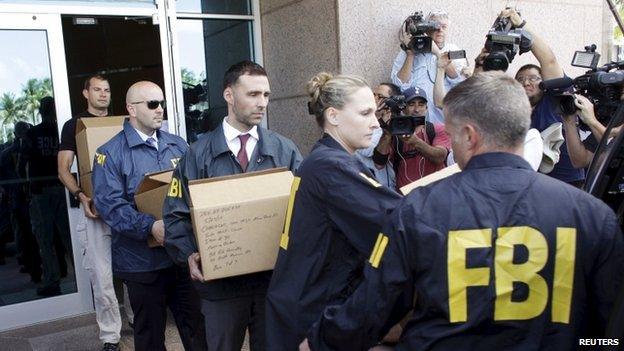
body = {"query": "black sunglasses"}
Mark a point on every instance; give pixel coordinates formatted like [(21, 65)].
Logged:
[(152, 104)]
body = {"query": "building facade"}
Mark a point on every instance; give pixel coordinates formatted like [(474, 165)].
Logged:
[(49, 47)]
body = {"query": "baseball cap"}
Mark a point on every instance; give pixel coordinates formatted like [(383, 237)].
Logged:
[(413, 93)]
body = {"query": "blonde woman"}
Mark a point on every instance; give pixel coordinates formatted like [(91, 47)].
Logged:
[(337, 213)]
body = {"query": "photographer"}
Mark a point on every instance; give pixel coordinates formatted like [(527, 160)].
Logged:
[(533, 143), (419, 70), (385, 174), (416, 155), (542, 116), (582, 152)]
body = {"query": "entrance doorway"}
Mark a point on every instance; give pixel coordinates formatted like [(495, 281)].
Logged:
[(53, 55), (124, 49)]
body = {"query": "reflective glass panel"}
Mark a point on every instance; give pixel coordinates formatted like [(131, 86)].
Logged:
[(207, 49), (230, 7), (36, 258)]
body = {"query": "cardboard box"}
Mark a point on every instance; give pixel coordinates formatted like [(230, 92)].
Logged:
[(238, 221), (85, 184), (441, 174), (150, 196), (91, 133)]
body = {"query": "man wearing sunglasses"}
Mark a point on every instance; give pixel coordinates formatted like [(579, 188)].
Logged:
[(238, 145), (154, 282)]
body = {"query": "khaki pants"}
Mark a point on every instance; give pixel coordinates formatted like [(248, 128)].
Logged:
[(96, 238)]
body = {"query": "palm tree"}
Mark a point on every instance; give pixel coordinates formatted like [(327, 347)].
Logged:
[(46, 87), (189, 76), (32, 92), (11, 112), (11, 109)]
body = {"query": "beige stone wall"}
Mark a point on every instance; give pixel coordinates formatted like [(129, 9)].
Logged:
[(299, 38), (368, 29), (303, 37)]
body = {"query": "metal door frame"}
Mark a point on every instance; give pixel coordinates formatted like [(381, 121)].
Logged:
[(45, 309)]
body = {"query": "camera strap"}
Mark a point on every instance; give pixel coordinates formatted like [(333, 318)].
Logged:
[(431, 134)]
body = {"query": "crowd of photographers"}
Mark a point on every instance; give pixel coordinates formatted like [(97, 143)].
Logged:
[(565, 130)]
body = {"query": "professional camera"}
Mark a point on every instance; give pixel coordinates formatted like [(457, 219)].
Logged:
[(503, 43), (417, 26), (601, 85), (400, 124)]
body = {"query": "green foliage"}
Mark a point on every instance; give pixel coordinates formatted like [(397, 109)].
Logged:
[(190, 77), (617, 33), (24, 107)]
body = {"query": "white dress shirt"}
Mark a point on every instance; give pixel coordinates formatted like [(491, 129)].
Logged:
[(144, 137), (233, 142)]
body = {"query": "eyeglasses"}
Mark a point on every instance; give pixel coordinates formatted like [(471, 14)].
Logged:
[(151, 104), (379, 96), (531, 79)]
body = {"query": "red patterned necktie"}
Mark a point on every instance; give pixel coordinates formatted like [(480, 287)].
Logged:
[(242, 153)]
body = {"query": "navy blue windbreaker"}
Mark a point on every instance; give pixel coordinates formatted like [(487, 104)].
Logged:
[(118, 169), (210, 157), (338, 211), (500, 257)]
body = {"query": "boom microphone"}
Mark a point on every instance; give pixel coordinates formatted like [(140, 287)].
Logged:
[(557, 85)]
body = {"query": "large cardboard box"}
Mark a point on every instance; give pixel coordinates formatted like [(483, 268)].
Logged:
[(238, 221), (91, 133), (150, 195)]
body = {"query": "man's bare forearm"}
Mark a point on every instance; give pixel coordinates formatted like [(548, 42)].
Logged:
[(435, 154), (65, 160), (405, 73), (580, 157), (438, 88)]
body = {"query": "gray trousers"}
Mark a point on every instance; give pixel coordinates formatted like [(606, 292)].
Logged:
[(227, 320)]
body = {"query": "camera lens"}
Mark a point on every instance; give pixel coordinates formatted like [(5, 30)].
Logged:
[(496, 61)]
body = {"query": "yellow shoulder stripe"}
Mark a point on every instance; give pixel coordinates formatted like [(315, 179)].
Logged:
[(289, 211), (378, 250), (372, 181)]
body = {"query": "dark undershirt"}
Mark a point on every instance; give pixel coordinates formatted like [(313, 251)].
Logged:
[(68, 134)]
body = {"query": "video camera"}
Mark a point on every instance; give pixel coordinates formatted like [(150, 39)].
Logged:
[(601, 85), (503, 43), (400, 124), (417, 26)]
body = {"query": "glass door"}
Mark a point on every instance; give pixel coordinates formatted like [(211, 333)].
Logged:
[(40, 258)]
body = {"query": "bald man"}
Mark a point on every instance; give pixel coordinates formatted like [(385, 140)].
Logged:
[(154, 282)]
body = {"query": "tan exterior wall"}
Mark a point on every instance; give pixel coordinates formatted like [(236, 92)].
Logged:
[(303, 37), (299, 38), (369, 40)]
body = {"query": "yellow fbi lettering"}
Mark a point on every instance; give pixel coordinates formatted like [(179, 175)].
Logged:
[(506, 272), (100, 159), (175, 188)]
